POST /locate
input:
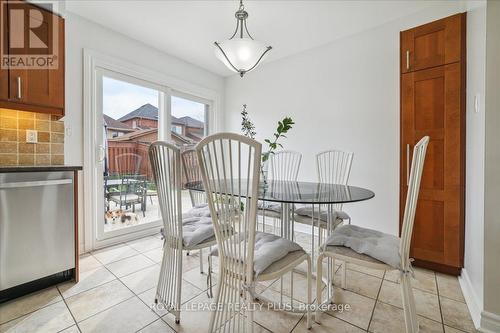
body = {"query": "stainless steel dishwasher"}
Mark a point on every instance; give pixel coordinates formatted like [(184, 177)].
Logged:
[(36, 229)]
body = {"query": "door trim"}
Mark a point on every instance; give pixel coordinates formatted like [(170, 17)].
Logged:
[(93, 61)]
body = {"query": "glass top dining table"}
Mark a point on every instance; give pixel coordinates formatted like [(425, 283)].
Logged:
[(295, 192)]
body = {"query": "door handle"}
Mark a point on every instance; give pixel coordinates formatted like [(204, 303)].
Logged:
[(19, 88), (36, 183), (407, 59), (407, 164)]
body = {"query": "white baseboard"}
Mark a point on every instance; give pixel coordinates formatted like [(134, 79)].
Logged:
[(490, 322), (473, 303), (484, 321)]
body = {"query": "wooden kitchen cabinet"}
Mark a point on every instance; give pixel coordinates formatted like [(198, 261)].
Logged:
[(433, 44), (433, 104), (4, 73), (38, 90)]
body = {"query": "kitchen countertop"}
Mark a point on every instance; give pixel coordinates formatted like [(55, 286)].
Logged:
[(39, 168)]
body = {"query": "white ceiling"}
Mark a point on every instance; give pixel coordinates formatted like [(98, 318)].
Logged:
[(187, 29)]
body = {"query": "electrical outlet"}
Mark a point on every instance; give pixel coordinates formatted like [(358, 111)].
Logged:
[(31, 136)]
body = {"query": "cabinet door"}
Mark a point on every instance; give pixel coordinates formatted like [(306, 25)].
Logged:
[(4, 73), (41, 87), (432, 105), (434, 44)]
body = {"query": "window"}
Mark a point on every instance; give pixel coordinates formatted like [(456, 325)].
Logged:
[(191, 113), (177, 129)]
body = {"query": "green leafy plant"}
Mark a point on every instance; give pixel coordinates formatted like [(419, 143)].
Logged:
[(283, 127), (248, 129)]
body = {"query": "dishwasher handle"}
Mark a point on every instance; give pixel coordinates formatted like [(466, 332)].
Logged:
[(35, 183)]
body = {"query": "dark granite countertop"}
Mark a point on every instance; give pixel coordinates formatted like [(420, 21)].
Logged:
[(39, 168)]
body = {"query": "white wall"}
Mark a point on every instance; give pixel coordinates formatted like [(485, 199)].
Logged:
[(491, 314), (343, 95), (80, 34), (472, 276)]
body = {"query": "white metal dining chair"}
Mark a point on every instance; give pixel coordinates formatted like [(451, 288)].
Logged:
[(192, 174), (283, 165), (332, 167), (166, 166), (230, 165), (396, 254)]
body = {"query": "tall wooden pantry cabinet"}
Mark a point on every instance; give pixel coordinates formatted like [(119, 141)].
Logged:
[(433, 60)]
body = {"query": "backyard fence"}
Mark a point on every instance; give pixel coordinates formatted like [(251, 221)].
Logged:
[(129, 157)]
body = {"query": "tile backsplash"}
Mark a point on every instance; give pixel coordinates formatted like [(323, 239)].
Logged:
[(14, 150)]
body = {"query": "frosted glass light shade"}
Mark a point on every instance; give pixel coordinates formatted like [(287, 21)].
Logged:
[(242, 53)]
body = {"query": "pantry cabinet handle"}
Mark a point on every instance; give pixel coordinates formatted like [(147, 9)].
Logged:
[(407, 59), (19, 88)]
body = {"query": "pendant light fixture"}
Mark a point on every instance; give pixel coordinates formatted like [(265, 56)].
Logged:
[(241, 53)]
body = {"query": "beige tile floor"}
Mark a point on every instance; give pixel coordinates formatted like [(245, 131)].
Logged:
[(117, 288)]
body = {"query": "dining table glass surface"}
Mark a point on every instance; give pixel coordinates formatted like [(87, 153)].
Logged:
[(292, 191)]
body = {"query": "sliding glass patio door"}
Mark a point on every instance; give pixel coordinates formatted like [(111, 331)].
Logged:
[(132, 114)]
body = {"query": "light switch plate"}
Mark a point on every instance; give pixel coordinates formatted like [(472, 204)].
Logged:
[(31, 136)]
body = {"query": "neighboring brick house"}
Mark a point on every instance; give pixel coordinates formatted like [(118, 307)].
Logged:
[(146, 136), (115, 128), (142, 118), (134, 132), (146, 117), (187, 126)]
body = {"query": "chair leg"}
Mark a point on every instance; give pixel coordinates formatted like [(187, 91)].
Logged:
[(250, 316), (201, 261), (309, 292), (331, 283), (410, 313), (343, 269), (319, 281), (210, 293)]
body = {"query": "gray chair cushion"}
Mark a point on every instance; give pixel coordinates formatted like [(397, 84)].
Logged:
[(195, 230), (307, 210), (376, 244), (201, 210), (269, 248), (267, 205)]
